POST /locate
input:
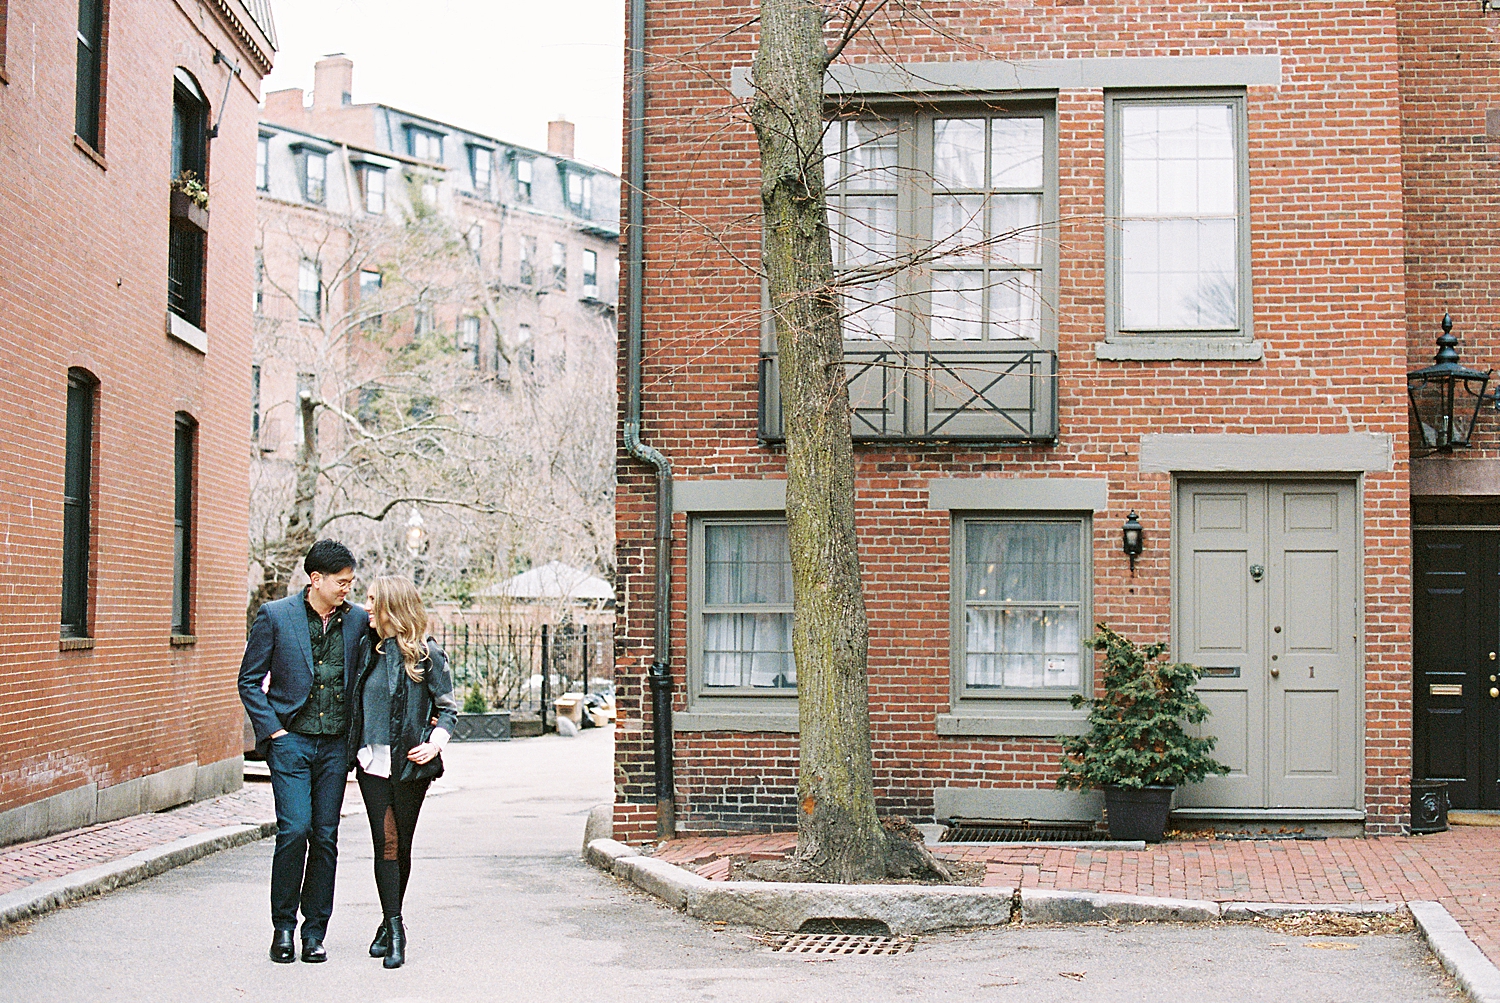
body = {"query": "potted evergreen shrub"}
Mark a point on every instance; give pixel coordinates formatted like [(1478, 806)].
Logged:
[(1136, 749)]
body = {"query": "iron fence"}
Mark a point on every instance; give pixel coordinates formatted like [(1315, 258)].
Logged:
[(506, 662)]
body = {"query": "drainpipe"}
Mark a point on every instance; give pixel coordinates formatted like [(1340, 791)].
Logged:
[(661, 665)]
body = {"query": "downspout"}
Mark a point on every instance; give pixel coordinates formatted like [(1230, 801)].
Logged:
[(661, 662)]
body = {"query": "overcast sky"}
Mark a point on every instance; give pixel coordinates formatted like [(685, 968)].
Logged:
[(502, 67)]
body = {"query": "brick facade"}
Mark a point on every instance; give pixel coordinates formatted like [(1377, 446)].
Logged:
[(134, 722), (1345, 265)]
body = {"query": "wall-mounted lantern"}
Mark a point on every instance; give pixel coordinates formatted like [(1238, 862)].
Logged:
[(1446, 396), (1133, 539)]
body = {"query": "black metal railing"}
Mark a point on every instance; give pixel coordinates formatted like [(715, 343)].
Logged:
[(506, 662), (185, 266), (988, 396)]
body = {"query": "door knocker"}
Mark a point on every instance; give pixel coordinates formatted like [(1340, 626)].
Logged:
[(1257, 572)]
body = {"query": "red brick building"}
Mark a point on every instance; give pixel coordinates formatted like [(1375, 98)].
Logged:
[(126, 386), (1174, 260)]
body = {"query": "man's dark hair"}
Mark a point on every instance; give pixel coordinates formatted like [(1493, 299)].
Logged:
[(327, 557)]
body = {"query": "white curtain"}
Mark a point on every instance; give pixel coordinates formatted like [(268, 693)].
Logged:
[(1022, 598), (747, 565)]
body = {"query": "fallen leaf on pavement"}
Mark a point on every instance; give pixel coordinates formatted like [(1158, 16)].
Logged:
[(1075, 976), (1329, 945)]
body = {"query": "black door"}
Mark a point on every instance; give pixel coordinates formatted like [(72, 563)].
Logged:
[(1455, 644)]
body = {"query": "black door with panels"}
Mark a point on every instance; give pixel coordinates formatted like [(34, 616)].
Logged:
[(1456, 661)]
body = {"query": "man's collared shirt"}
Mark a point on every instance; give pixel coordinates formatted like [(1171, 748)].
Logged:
[(323, 714)]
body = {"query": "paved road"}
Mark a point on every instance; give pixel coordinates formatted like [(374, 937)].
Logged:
[(502, 909)]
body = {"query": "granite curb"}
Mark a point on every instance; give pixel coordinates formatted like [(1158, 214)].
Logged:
[(44, 896), (1458, 954), (909, 909)]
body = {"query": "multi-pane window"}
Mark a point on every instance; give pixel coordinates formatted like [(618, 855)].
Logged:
[(369, 292), (309, 291), (185, 442), (314, 176), (1177, 191), (479, 168), (523, 178), (190, 128), (979, 187), (375, 190), (263, 163), (580, 194), (526, 262), (468, 340), (559, 265), (743, 600), (78, 477), (1022, 590), (88, 110), (590, 274), (424, 145)]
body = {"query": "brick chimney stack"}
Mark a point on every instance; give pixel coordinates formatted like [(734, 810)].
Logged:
[(560, 138), (333, 82)]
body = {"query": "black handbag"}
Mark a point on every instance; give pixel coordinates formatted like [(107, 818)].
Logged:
[(433, 768)]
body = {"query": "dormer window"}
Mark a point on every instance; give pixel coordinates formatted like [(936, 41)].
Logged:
[(580, 198), (523, 179), (424, 145), (374, 178), (314, 176), (479, 168)]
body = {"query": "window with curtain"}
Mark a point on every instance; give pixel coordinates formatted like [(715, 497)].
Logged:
[(1024, 588), (743, 595), (1180, 264)]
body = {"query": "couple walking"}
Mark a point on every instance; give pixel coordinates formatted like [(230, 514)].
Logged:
[(329, 687)]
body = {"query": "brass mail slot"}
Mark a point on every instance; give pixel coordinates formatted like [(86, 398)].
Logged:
[(1221, 671), (1446, 689)]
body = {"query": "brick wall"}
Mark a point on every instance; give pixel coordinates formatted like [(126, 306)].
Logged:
[(83, 283), (1329, 305)]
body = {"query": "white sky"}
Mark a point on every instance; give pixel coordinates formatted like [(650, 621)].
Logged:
[(502, 67)]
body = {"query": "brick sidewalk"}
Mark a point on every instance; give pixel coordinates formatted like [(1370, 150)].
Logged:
[(60, 855), (1459, 868)]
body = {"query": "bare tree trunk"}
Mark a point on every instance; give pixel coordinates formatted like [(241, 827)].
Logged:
[(838, 834), (279, 562)]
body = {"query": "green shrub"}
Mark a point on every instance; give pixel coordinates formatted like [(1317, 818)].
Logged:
[(475, 703), (1136, 737)]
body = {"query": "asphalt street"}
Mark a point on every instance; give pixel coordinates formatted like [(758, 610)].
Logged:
[(502, 908)]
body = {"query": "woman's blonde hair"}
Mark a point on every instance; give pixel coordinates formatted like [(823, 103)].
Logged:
[(397, 606)]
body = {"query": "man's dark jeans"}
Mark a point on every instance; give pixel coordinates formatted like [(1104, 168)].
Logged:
[(307, 777)]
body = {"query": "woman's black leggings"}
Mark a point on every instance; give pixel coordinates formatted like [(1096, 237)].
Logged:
[(393, 807)]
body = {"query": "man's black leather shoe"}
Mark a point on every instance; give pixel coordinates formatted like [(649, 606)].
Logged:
[(313, 952), (283, 947), (381, 945)]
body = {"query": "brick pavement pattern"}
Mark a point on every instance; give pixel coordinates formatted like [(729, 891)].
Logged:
[(57, 856), (1459, 868)]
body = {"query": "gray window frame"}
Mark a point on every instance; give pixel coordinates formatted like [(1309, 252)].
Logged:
[(735, 700), (1018, 702), (304, 161), (1113, 102), (914, 202)]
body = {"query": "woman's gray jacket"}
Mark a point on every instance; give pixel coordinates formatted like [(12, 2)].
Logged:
[(413, 707)]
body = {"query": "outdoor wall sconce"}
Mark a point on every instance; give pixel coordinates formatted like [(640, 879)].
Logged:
[(1133, 539), (1446, 396)]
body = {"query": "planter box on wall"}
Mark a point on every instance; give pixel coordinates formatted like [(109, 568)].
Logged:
[(491, 727), (185, 208)]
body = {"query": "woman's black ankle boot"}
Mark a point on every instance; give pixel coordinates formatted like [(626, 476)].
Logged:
[(396, 955), (381, 945)]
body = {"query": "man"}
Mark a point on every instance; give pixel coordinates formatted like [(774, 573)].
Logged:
[(307, 644)]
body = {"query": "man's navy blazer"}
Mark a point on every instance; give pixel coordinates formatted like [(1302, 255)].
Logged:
[(280, 644)]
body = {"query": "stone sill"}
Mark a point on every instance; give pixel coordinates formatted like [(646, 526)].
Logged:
[(75, 644), (1127, 349), (184, 640), (189, 334), (1014, 724), (744, 721)]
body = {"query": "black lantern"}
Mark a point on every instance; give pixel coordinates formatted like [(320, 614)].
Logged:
[(1446, 396), (1133, 539)]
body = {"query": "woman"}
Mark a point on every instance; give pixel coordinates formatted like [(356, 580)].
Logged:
[(401, 714)]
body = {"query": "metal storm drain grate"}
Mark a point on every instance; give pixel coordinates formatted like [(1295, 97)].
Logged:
[(837, 943), (974, 830)]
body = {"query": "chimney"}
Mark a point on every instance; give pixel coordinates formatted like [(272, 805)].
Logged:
[(560, 138), (284, 107), (333, 82)]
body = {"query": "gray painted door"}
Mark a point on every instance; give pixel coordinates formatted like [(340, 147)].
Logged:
[(1267, 602)]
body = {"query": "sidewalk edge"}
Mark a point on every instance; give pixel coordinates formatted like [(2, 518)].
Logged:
[(44, 896), (1459, 955)]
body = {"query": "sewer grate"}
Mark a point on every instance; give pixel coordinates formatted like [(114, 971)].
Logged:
[(976, 830), (837, 943)]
